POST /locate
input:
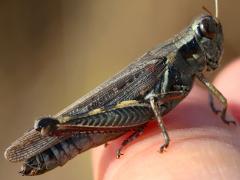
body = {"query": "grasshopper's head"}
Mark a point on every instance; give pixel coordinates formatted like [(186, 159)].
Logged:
[(209, 34)]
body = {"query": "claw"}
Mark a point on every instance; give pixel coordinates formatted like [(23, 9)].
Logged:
[(163, 148), (228, 122), (118, 154), (216, 111), (106, 144)]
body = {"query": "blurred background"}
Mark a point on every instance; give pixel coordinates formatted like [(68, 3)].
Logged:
[(53, 52)]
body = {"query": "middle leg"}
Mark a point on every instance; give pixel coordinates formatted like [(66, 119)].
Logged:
[(156, 111)]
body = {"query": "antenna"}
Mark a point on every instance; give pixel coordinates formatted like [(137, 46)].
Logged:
[(206, 9), (216, 8)]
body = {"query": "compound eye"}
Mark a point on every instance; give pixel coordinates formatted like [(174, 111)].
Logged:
[(208, 28)]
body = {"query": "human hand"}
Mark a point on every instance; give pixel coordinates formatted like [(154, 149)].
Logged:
[(201, 147)]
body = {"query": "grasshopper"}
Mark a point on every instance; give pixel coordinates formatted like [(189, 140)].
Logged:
[(145, 90)]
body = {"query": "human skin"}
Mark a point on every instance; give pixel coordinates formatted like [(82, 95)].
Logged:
[(201, 147)]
